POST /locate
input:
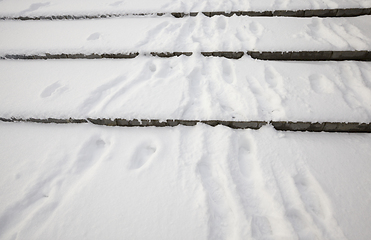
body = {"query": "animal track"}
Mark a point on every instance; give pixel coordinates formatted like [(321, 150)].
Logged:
[(142, 155)]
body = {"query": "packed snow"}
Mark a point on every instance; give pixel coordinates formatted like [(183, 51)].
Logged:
[(93, 182), (201, 33), (82, 181), (195, 87), (60, 7)]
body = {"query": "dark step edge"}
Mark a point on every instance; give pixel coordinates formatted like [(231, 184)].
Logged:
[(338, 12), (346, 127), (273, 56), (47, 56), (355, 55)]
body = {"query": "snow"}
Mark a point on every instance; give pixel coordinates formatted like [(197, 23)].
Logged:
[(201, 33), (59, 7), (93, 182), (83, 181), (194, 88)]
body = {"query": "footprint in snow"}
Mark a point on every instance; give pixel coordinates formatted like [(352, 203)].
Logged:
[(152, 67), (245, 160), (256, 28), (221, 22), (321, 84), (94, 36), (210, 183), (115, 4), (227, 69), (308, 195), (141, 156), (272, 77), (318, 206), (260, 227)]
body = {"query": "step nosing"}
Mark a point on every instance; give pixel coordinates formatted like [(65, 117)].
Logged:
[(346, 55), (295, 126), (336, 12)]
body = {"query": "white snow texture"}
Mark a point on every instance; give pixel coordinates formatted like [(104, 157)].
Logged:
[(83, 181)]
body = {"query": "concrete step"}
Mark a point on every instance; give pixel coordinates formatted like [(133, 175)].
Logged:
[(346, 127), (277, 56), (339, 12)]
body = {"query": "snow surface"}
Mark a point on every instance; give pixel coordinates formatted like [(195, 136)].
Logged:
[(201, 33), (82, 181), (93, 182), (183, 87), (80, 7)]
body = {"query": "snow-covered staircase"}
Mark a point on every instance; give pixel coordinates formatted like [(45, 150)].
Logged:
[(174, 119)]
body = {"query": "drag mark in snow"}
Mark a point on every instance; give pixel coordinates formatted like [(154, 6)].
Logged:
[(222, 222), (281, 4), (351, 34), (303, 201), (216, 201), (193, 95), (44, 195), (158, 30), (318, 29), (77, 169), (121, 93), (99, 94), (34, 7), (248, 34), (355, 88), (295, 213), (317, 205), (20, 212), (104, 97), (52, 89), (237, 200), (341, 36), (115, 4)]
